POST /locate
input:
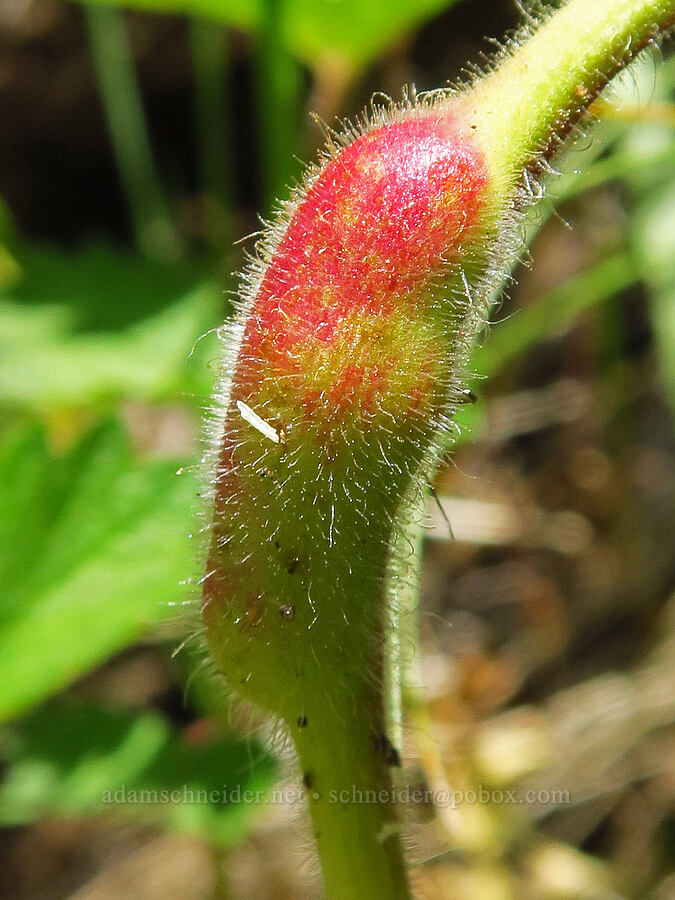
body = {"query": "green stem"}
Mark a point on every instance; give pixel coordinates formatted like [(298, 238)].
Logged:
[(351, 799), (112, 60), (401, 605), (523, 108), (321, 669)]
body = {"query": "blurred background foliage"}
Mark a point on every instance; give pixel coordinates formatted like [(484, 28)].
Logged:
[(136, 146)]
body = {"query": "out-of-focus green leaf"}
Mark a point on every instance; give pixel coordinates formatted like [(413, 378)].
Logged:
[(75, 759), (92, 551), (353, 31), (96, 325), (104, 289), (654, 246), (244, 14), (653, 192), (10, 270), (43, 366)]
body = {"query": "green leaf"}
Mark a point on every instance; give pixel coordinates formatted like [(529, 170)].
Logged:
[(654, 246), (92, 326), (357, 31), (106, 290), (353, 31), (243, 14), (653, 231), (93, 548), (74, 758)]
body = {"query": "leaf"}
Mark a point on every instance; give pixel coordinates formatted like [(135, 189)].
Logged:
[(10, 270), (95, 325), (105, 290), (93, 549), (654, 245), (358, 31), (653, 231), (73, 758), (353, 31), (244, 14)]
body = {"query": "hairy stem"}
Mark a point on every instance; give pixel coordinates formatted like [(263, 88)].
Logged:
[(351, 798), (524, 108)]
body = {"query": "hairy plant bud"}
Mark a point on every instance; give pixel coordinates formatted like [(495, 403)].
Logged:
[(344, 378)]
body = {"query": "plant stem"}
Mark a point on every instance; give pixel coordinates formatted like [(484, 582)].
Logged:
[(530, 102), (350, 793), (111, 56), (401, 605)]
